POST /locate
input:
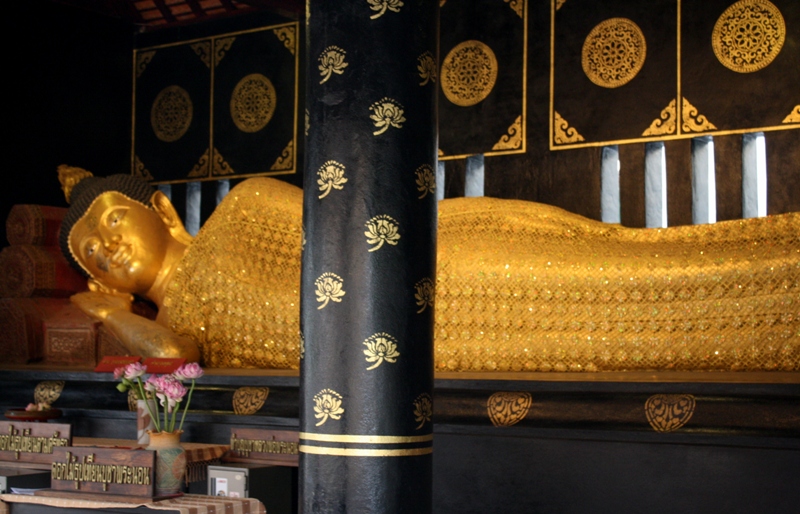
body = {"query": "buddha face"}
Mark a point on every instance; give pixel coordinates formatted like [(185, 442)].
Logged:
[(120, 242)]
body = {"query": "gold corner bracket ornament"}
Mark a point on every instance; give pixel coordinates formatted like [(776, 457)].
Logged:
[(563, 133), (669, 412), (693, 121), (219, 166), (666, 123), (508, 408), (200, 170), (285, 160), (287, 36), (203, 51), (516, 6), (142, 60), (794, 116), (512, 140), (559, 3), (221, 46), (139, 169)]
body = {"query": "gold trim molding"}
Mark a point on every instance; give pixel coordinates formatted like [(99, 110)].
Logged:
[(666, 123), (669, 412), (203, 51), (366, 439), (563, 132), (286, 35), (363, 452), (285, 160), (512, 140), (219, 166), (693, 121), (794, 116), (201, 168), (249, 400)]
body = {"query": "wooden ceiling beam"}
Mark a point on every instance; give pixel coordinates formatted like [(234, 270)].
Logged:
[(165, 11)]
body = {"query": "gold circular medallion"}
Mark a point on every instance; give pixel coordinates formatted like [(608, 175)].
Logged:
[(613, 52), (749, 35), (469, 73), (171, 114), (253, 102)]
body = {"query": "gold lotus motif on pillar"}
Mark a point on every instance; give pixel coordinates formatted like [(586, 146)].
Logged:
[(669, 412), (424, 294), (382, 229), (171, 113), (381, 347), (508, 408), (248, 400), (331, 176), (749, 35), (384, 5), (613, 52), (426, 68), (327, 404), (329, 288), (386, 113), (331, 61), (426, 181), (423, 409), (253, 102)]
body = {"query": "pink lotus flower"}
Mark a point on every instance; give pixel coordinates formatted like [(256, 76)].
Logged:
[(189, 371), (134, 370), (119, 372), (171, 394)]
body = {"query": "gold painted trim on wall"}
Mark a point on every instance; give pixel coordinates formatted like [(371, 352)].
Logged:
[(366, 439), (358, 452)]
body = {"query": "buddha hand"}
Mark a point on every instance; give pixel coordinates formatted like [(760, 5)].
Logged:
[(100, 305)]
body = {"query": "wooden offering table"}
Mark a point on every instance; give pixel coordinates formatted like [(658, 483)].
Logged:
[(187, 504)]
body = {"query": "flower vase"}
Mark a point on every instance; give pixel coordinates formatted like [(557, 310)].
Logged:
[(170, 462), (144, 421)]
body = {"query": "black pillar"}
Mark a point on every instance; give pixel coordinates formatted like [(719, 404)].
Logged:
[(369, 256)]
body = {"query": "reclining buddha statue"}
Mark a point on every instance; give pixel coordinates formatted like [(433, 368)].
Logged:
[(520, 286)]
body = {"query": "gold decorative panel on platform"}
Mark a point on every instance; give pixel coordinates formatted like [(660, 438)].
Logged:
[(623, 71), (481, 77), (225, 106)]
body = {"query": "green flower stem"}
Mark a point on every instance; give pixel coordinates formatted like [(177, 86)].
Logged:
[(186, 407), (147, 404), (174, 416)]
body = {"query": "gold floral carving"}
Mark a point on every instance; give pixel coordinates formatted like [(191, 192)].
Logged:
[(794, 116), (386, 113), (440, 152), (564, 133), (329, 288), (285, 160), (613, 52), (221, 46), (693, 121), (424, 294), (203, 51), (132, 407), (248, 400), (331, 176), (748, 35), (327, 404), (253, 102), (512, 140), (427, 68), (665, 124), (669, 412), (516, 6), (381, 347), (426, 181), (201, 168), (469, 73), (287, 36), (48, 391), (423, 409), (142, 60), (559, 3), (139, 169), (382, 6), (508, 408), (171, 113), (219, 166), (382, 229), (331, 61)]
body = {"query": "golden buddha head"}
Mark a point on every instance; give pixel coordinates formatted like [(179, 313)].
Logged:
[(117, 230)]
